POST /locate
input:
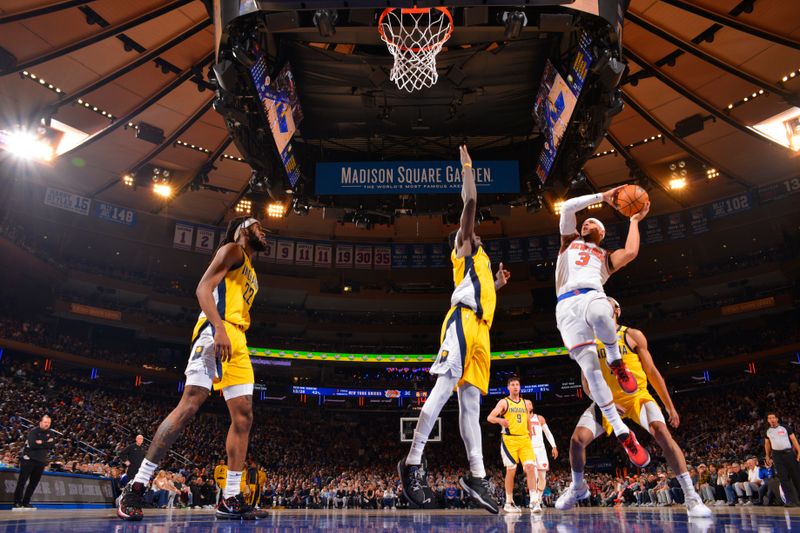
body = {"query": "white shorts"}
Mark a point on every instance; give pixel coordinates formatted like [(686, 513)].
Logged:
[(203, 367), (592, 418), (542, 463), (571, 319)]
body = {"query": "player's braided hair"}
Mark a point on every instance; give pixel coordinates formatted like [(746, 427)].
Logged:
[(230, 232)]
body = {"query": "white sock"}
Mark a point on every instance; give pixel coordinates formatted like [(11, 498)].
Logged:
[(612, 352), (612, 415), (686, 484), (532, 496), (509, 498), (577, 478), (145, 472), (233, 484), (417, 447)]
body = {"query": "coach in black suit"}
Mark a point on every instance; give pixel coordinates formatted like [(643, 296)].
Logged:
[(33, 460)]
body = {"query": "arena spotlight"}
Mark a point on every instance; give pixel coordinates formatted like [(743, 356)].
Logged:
[(677, 183), (276, 210), (128, 180), (27, 145), (162, 189), (514, 22), (244, 207), (712, 173), (325, 21)]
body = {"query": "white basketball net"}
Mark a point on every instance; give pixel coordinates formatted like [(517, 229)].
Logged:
[(414, 38)]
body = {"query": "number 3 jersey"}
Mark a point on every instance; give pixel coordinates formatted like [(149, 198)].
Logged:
[(583, 265), (235, 294)]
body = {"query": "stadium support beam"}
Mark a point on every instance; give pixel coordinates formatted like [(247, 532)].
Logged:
[(121, 121), (206, 167), (696, 51), (732, 22), (169, 141), (632, 164), (690, 95), (111, 31), (125, 69), (683, 145), (44, 10)]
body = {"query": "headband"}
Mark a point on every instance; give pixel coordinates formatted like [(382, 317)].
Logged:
[(244, 225), (602, 226)]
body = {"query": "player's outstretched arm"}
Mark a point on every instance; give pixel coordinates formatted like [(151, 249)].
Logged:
[(496, 416), (639, 343), (469, 195), (623, 256), (549, 436), (568, 223), (226, 258)]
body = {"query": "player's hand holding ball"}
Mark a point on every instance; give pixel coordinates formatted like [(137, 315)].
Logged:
[(630, 200)]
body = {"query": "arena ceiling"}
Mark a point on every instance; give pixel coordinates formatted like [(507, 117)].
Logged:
[(734, 63)]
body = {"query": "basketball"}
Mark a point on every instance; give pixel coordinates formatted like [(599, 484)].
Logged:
[(631, 199)]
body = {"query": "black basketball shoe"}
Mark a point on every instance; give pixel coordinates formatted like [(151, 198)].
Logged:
[(414, 479), (235, 508), (479, 490), (130, 502)]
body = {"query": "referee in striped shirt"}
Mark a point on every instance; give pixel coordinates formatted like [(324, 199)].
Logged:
[(782, 449)]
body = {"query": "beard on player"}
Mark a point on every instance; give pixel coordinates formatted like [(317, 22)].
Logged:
[(259, 244), (592, 234)]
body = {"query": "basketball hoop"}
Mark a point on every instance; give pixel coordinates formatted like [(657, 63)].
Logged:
[(415, 37)]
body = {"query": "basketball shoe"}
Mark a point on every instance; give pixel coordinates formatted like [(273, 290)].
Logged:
[(624, 376), (638, 455), (129, 506), (571, 496), (414, 479), (479, 490)]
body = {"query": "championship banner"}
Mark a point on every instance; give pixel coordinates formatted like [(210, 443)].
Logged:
[(395, 358), (285, 252), (653, 230), (344, 255), (382, 257), (698, 221), (535, 249), (676, 229), (439, 255), (304, 254), (413, 177), (552, 246), (419, 256), (183, 236), (270, 251), (515, 250), (363, 257), (732, 205), (204, 242), (401, 255), (323, 255)]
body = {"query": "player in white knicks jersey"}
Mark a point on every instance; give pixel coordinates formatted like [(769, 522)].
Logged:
[(539, 430), (583, 313)]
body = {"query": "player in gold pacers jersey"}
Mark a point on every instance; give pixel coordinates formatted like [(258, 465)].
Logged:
[(640, 407), (513, 413), (463, 359), (218, 359)]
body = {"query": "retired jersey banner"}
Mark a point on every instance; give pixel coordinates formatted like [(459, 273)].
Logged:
[(419, 256), (304, 254), (323, 255), (268, 255), (363, 257), (344, 255), (183, 236), (285, 252), (414, 177), (400, 255), (439, 255), (382, 257), (205, 240)]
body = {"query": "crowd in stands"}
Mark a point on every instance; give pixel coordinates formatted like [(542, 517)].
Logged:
[(315, 457)]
